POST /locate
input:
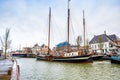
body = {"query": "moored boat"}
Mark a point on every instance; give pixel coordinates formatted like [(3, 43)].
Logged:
[(115, 59), (83, 58), (19, 55), (68, 56)]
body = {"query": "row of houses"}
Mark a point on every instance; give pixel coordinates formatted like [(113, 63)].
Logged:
[(99, 43), (35, 49)]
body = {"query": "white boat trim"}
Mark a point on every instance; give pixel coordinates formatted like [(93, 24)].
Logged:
[(81, 58)]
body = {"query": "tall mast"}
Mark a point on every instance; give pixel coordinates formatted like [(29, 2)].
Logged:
[(68, 23), (49, 30), (84, 29)]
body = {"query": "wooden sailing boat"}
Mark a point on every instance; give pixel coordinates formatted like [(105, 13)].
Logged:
[(73, 56)]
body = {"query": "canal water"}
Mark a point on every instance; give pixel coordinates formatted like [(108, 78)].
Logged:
[(31, 69)]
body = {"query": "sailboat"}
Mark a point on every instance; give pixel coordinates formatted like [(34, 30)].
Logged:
[(75, 56), (68, 56)]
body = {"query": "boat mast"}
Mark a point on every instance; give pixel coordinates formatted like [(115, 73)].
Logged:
[(68, 25), (84, 29), (49, 30)]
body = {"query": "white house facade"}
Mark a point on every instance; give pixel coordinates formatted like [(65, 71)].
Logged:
[(107, 41)]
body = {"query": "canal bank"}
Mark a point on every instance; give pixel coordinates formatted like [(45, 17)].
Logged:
[(9, 69), (31, 69)]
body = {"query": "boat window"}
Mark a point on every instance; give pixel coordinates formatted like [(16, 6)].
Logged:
[(72, 53)]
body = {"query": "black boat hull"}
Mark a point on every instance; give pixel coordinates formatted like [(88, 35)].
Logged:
[(74, 59), (115, 61), (97, 57), (19, 55)]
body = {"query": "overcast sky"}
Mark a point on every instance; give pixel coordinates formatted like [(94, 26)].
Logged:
[(28, 20)]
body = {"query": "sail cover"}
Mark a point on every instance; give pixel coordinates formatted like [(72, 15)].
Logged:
[(63, 44)]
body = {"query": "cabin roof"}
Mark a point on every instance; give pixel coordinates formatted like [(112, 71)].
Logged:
[(61, 44)]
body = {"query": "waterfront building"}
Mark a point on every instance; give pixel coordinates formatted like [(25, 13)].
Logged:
[(44, 49), (104, 43), (27, 50), (36, 49)]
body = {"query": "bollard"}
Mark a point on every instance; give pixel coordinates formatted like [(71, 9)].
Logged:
[(18, 69), (9, 71), (18, 72)]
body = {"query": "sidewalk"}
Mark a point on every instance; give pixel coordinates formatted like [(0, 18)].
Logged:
[(5, 68), (9, 69)]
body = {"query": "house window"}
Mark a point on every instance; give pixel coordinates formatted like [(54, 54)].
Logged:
[(105, 50), (98, 45), (110, 45), (92, 46), (72, 53), (95, 46), (104, 45)]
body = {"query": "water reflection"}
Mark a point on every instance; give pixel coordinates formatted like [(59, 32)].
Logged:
[(31, 69)]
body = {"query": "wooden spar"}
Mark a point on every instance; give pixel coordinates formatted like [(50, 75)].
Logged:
[(68, 25), (84, 29), (49, 30)]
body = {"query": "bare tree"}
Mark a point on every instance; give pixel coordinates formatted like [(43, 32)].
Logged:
[(6, 42), (79, 41)]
